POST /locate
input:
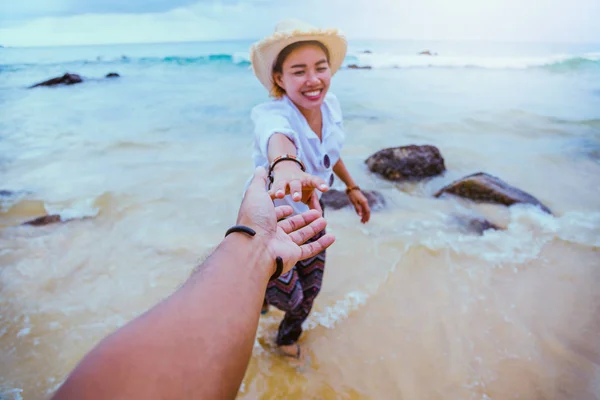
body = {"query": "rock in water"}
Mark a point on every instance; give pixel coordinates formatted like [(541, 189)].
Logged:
[(473, 224), (356, 66), (112, 75), (44, 220), (485, 188), (66, 79), (407, 163), (337, 199)]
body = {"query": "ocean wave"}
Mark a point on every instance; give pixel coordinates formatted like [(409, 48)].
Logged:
[(240, 58), (528, 231), (558, 63), (11, 394), (553, 63)]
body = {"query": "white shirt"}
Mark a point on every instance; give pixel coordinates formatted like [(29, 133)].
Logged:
[(282, 116)]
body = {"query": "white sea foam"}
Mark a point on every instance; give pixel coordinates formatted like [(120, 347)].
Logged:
[(391, 60)]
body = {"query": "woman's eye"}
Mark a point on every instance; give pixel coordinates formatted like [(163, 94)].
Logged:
[(299, 73), (322, 69)]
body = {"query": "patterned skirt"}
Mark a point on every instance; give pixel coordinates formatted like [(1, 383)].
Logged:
[(295, 292)]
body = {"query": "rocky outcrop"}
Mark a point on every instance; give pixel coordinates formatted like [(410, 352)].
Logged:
[(70, 79), (355, 66), (336, 199), (52, 219), (44, 220), (407, 163), (66, 79), (485, 188)]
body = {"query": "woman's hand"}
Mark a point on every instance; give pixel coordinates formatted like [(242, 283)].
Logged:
[(288, 178), (361, 205)]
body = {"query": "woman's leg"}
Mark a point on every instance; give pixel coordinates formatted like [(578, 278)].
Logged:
[(285, 292), (310, 277)]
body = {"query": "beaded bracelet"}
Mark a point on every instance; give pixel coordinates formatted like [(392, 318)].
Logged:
[(349, 189), (284, 157)]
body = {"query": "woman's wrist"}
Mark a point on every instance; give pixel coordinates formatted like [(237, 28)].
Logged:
[(350, 189), (286, 165)]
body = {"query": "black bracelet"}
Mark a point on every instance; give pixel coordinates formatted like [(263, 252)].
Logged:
[(279, 269), (240, 228), (252, 232)]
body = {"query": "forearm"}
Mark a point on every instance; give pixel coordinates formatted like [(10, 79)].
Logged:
[(280, 144), (179, 349), (342, 172)]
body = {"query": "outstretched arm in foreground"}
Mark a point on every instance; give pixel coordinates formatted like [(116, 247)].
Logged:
[(197, 343)]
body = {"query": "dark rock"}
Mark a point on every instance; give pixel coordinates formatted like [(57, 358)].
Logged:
[(367, 52), (336, 199), (484, 188), (479, 225), (112, 75), (407, 163), (354, 66), (6, 193), (66, 79), (473, 224), (44, 220)]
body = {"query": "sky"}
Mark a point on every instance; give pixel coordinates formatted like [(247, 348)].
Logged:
[(78, 22)]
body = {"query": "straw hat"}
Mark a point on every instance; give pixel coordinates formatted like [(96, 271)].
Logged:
[(263, 54)]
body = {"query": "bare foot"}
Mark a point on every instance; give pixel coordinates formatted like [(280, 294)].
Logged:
[(291, 350)]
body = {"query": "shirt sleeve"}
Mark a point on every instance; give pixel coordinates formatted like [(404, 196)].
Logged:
[(268, 119)]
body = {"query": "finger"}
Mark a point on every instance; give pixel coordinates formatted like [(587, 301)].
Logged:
[(315, 182), (313, 248), (357, 208), (302, 235), (298, 221), (283, 211), (313, 203), (278, 189), (296, 189), (366, 212), (260, 179)]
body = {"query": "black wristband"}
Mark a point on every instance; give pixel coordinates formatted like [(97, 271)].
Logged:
[(240, 228), (279, 270), (252, 232)]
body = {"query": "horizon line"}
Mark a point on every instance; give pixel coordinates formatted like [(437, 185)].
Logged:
[(8, 46)]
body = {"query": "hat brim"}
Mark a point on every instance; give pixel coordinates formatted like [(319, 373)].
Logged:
[(264, 53)]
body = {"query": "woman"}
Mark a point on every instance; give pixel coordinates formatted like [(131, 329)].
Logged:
[(298, 137)]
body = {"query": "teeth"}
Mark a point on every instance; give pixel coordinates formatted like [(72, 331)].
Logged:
[(315, 93)]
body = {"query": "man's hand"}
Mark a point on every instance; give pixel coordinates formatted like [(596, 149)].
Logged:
[(285, 238)]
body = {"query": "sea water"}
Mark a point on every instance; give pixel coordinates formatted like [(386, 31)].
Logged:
[(151, 166)]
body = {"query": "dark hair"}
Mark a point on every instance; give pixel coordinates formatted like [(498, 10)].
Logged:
[(277, 91)]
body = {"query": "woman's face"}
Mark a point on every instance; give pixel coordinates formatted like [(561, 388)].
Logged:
[(305, 76)]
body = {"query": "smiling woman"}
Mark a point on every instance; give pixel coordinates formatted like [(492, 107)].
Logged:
[(302, 124)]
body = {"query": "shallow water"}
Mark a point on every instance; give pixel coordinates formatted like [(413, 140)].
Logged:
[(413, 305)]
